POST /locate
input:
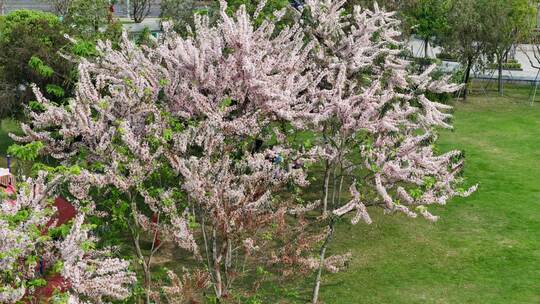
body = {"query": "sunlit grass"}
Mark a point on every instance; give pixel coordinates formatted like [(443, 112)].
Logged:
[(485, 248)]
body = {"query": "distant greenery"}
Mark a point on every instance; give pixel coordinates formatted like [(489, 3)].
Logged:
[(511, 64), (92, 20), (30, 46), (33, 47), (178, 11)]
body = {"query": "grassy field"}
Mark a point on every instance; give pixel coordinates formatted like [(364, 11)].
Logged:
[(485, 249)]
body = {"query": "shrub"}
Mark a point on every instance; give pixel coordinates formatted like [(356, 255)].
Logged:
[(30, 42)]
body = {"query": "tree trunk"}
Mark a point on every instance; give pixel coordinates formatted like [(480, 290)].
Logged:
[(325, 189), (334, 187), (147, 283), (499, 78), (467, 78), (217, 258), (135, 236), (426, 47), (145, 267), (315, 297), (340, 187)]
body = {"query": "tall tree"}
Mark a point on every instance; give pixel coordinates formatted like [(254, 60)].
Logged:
[(506, 22), (426, 19), (87, 18), (375, 120), (171, 131), (140, 9), (466, 35), (60, 7)]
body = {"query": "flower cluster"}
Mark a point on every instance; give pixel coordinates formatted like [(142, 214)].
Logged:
[(374, 110), (26, 247)]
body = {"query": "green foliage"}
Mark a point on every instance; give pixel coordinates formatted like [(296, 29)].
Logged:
[(40, 67), (88, 17), (178, 11), (58, 267), (55, 90), (28, 152), (60, 231), (84, 48), (145, 37), (30, 42), (36, 283), (251, 5), (510, 65), (427, 19)]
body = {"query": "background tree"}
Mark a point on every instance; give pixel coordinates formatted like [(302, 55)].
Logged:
[(60, 7), (426, 19), (88, 19), (465, 36), (30, 42), (180, 12), (140, 9), (506, 22)]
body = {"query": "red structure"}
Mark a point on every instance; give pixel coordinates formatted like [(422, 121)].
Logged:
[(65, 212)]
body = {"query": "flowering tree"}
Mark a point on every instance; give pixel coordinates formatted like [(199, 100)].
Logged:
[(248, 80), (190, 137), (84, 273), (179, 132), (113, 130), (377, 125)]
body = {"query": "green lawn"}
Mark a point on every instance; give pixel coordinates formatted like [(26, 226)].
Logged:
[(485, 248)]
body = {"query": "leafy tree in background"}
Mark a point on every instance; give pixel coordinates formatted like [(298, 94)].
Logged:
[(180, 12), (91, 20), (140, 9), (465, 35), (251, 6), (60, 7), (426, 19), (30, 42), (506, 22)]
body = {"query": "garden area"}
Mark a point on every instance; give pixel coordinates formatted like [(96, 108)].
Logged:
[(269, 152)]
